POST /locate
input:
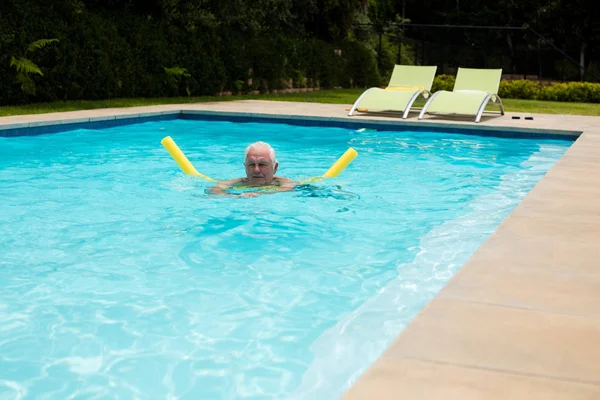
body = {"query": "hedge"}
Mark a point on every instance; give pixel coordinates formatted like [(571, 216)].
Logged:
[(581, 92), (120, 55)]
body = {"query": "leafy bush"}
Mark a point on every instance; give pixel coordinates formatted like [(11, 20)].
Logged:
[(103, 52), (584, 92), (518, 89), (174, 77), (443, 82), (360, 65)]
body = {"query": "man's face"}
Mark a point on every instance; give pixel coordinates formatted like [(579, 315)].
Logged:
[(259, 168)]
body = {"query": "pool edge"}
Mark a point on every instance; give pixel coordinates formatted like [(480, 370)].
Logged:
[(49, 126)]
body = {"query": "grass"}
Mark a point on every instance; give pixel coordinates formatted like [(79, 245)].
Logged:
[(333, 96), (551, 107)]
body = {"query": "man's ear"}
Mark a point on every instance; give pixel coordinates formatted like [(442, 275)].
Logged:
[(275, 169)]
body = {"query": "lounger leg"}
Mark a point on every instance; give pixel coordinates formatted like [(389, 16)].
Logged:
[(501, 105), (424, 110), (355, 105), (408, 106), (484, 104), (482, 107)]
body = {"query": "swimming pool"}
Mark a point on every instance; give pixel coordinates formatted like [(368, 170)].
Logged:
[(120, 277)]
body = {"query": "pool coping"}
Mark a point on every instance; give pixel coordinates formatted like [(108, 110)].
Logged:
[(521, 318), (58, 125)]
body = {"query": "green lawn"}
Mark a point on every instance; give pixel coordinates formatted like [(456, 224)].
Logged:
[(333, 96)]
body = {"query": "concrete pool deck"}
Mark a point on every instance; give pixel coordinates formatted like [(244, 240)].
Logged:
[(521, 319)]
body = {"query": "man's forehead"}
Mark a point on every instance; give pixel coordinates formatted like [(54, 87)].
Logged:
[(261, 153)]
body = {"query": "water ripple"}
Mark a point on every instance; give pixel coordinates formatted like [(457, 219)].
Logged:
[(121, 278)]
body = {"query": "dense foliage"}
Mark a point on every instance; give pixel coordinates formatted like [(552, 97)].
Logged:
[(99, 49), (129, 48)]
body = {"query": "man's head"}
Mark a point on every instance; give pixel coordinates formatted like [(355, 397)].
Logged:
[(261, 163)]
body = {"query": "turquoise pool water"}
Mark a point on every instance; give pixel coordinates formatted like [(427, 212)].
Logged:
[(121, 278)]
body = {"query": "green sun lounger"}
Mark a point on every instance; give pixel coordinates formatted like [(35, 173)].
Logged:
[(473, 90), (407, 83)]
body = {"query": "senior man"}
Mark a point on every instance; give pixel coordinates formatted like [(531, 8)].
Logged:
[(261, 165)]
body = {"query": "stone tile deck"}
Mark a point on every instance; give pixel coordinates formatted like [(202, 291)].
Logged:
[(520, 320)]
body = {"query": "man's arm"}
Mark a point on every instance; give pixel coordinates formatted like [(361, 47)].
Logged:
[(221, 187), (284, 185)]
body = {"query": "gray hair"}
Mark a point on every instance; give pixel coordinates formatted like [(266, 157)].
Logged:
[(258, 146)]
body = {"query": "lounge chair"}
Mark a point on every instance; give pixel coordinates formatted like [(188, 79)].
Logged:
[(407, 83), (473, 90)]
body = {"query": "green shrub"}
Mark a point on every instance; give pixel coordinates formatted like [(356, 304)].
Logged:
[(360, 65), (443, 82), (583, 92), (108, 54), (298, 79), (519, 89), (326, 65), (175, 77)]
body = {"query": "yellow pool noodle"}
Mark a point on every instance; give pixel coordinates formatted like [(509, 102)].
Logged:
[(336, 168), (181, 160), (187, 167), (341, 163)]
